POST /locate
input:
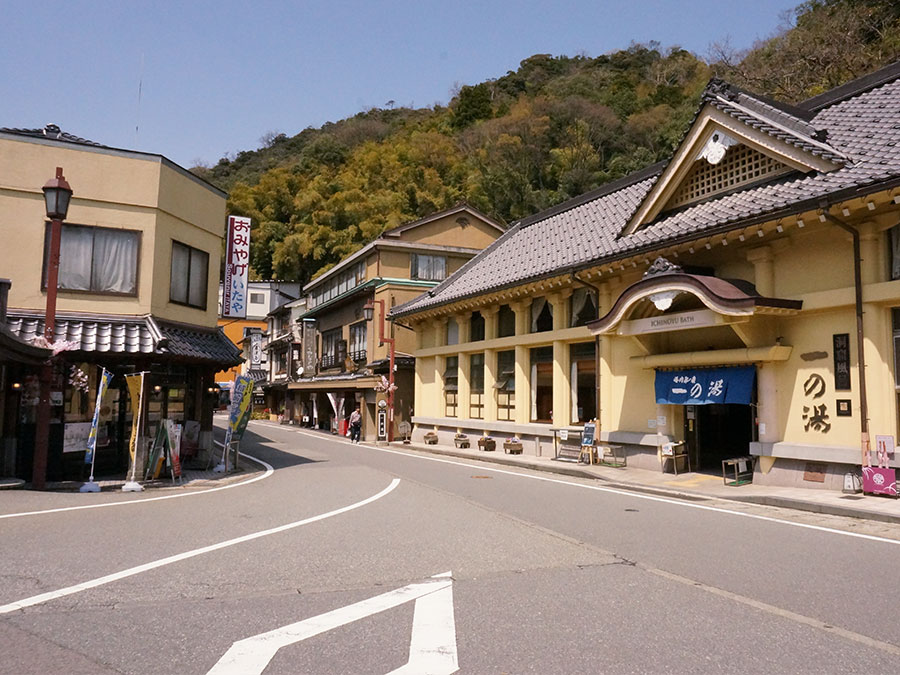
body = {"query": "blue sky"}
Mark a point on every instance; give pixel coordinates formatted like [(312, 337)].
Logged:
[(216, 76)]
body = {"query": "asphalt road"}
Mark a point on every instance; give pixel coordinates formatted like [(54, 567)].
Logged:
[(336, 558)]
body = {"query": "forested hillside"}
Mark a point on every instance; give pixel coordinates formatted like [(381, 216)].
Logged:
[(554, 128)]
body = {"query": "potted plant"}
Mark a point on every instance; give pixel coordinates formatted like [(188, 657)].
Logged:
[(431, 438), (487, 444), (461, 441), (513, 446)]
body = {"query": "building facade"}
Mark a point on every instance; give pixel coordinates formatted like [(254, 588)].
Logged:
[(262, 298), (343, 355), (741, 299), (139, 266)]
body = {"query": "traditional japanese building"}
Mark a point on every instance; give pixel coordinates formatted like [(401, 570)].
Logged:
[(139, 268), (741, 299), (344, 357)]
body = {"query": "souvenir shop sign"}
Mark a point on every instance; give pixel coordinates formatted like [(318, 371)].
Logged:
[(237, 268), (700, 386)]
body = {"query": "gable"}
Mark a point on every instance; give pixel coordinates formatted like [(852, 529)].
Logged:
[(723, 152)]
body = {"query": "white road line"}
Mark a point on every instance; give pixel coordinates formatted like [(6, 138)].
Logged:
[(432, 630), (269, 472), (109, 578), (628, 493)]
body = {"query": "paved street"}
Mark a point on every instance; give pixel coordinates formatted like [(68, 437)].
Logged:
[(355, 559)]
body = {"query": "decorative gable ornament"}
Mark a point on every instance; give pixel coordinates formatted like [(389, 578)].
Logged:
[(716, 147), (662, 266)]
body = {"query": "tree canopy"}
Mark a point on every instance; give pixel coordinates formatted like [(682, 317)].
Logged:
[(553, 129)]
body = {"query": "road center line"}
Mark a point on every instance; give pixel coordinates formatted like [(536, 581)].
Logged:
[(269, 471), (625, 493), (146, 567)]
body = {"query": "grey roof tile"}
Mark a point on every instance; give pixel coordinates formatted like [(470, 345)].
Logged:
[(863, 139), (129, 335)]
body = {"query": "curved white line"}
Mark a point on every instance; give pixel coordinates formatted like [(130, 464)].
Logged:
[(131, 571), (269, 471)]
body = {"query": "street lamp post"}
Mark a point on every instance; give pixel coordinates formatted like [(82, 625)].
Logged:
[(57, 193), (368, 313)]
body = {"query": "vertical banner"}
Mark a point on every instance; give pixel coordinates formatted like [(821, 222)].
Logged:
[(105, 377), (136, 391), (173, 431), (237, 266), (239, 414)]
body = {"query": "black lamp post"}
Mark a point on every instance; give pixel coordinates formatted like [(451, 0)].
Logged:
[(57, 194), (368, 314)]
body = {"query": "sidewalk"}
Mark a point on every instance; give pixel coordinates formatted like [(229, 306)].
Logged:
[(690, 485), (190, 478)]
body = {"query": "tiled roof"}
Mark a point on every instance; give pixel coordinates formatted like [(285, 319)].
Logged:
[(862, 131), (197, 344), (129, 335), (775, 121), (52, 132)]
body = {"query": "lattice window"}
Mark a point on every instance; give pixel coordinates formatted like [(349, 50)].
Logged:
[(740, 166)]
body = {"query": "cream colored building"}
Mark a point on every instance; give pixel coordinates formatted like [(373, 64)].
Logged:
[(711, 302), (343, 357), (139, 269)]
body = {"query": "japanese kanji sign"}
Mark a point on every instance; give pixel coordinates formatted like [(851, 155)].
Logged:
[(841, 361), (701, 386), (237, 267)]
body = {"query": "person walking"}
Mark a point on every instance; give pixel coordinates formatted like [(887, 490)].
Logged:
[(355, 425)]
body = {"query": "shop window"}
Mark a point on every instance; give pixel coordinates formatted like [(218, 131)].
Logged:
[(542, 384), (451, 386), (506, 385), (476, 386), (583, 379), (476, 327), (189, 277), (541, 315), (428, 267), (506, 321), (96, 259), (584, 306), (358, 342)]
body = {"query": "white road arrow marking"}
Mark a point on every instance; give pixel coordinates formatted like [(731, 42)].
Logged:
[(432, 649)]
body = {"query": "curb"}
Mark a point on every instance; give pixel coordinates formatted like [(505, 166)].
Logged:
[(764, 500)]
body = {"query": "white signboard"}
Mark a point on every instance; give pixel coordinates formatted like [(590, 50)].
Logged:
[(666, 322), (256, 350), (237, 268)]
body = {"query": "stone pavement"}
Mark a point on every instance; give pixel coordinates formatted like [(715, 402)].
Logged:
[(870, 507)]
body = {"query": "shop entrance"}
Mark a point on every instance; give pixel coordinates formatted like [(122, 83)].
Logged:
[(717, 431)]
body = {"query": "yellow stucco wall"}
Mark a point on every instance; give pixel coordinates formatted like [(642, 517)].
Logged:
[(112, 189)]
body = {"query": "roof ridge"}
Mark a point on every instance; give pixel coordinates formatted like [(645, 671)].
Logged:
[(853, 88), (602, 191)]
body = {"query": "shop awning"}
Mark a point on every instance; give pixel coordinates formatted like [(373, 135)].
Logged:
[(120, 334), (701, 386)]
